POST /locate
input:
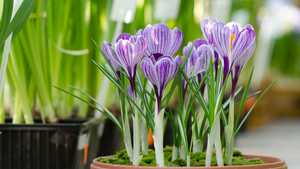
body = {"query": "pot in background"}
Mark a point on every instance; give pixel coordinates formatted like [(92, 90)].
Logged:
[(68, 144)]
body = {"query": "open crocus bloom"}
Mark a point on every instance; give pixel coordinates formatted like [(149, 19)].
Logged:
[(233, 43), (161, 41), (127, 52), (160, 72), (199, 54)]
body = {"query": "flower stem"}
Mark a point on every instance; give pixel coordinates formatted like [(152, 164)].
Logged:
[(230, 132), (144, 136), (218, 144), (158, 136), (214, 141), (182, 152), (197, 142), (188, 160), (127, 136), (136, 139), (209, 149), (175, 152), (197, 145)]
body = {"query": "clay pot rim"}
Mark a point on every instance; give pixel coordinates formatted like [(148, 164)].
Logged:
[(269, 162)]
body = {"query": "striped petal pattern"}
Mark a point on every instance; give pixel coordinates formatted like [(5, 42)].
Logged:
[(161, 41), (160, 72), (126, 52), (233, 43), (199, 54), (110, 56)]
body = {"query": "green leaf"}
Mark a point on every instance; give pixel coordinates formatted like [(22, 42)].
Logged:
[(226, 103), (252, 107), (5, 19), (21, 15), (108, 74), (195, 88), (19, 19), (103, 110), (244, 96), (114, 81), (182, 133)]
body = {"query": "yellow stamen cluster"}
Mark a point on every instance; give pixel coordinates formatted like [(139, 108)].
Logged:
[(231, 39)]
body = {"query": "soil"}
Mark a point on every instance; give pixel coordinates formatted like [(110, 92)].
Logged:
[(197, 159)]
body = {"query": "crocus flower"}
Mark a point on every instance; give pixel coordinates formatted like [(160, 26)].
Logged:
[(159, 73), (127, 52), (161, 41), (199, 54), (110, 56), (233, 43)]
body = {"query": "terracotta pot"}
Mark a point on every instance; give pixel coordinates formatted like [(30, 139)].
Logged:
[(270, 163)]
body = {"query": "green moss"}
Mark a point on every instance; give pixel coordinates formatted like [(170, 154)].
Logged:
[(197, 159)]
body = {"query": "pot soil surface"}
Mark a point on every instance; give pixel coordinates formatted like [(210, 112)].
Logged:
[(121, 161)]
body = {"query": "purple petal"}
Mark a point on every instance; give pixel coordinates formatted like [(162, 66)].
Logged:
[(200, 54), (123, 36), (226, 67), (205, 54), (199, 42), (166, 69), (221, 39), (158, 37), (178, 60), (124, 50), (126, 56), (110, 55), (244, 45), (189, 68), (235, 77), (234, 27), (175, 42), (187, 50), (140, 47), (207, 27), (161, 41), (149, 71)]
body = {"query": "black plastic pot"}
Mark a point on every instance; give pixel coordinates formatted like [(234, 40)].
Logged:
[(63, 145)]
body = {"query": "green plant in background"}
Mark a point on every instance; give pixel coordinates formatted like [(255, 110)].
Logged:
[(285, 46), (55, 48), (14, 14)]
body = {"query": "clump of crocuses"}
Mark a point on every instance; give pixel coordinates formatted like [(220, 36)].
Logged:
[(148, 73)]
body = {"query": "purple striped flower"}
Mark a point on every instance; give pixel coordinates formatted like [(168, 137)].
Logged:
[(127, 52), (161, 41), (110, 56), (233, 43), (199, 54), (160, 72)]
